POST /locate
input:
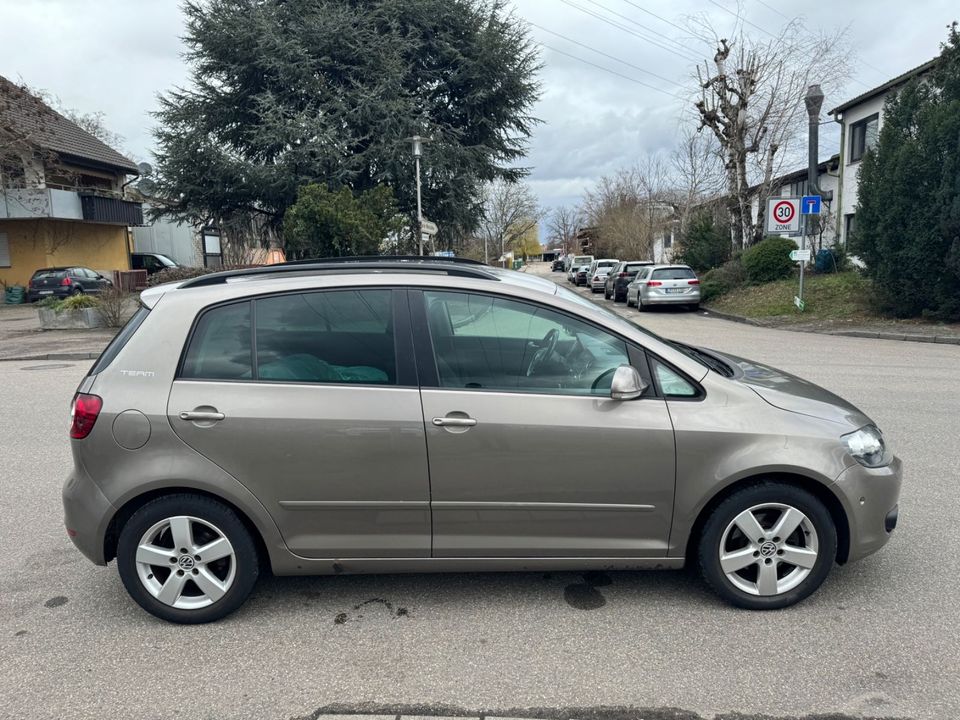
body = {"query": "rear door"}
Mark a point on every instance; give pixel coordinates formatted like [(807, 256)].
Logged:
[(310, 399), (529, 455)]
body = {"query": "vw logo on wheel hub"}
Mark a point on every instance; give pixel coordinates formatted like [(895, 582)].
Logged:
[(186, 562), (768, 549)]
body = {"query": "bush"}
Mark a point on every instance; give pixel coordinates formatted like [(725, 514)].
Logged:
[(77, 302), (769, 260), (113, 306), (722, 280)]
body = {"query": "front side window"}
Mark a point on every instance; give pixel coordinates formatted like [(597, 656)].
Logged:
[(863, 136), (342, 336), (490, 343)]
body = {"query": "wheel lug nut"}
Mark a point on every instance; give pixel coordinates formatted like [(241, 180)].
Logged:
[(776, 539), (768, 561), (179, 572), (173, 560), (183, 551), (195, 571), (779, 552), (197, 558), (756, 553)]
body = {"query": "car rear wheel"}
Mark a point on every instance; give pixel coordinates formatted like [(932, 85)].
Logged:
[(767, 546), (187, 559)]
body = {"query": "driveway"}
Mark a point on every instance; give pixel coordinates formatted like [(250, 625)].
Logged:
[(879, 639)]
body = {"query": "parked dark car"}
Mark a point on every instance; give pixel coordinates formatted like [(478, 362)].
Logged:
[(151, 262), (61, 282), (557, 266), (581, 275), (615, 287)]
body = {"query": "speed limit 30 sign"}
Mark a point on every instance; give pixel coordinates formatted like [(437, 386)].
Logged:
[(783, 215)]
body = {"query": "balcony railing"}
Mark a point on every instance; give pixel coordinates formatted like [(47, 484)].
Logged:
[(36, 203)]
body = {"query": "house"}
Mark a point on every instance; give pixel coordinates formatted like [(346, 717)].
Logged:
[(62, 199), (860, 120)]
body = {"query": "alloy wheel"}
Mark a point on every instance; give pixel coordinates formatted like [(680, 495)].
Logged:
[(768, 549), (185, 562)]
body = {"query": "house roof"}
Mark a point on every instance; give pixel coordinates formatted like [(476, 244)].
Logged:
[(890, 84), (26, 116), (801, 174)]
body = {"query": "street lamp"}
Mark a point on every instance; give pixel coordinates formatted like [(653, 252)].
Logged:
[(416, 143)]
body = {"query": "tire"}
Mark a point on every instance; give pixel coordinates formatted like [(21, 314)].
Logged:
[(235, 574), (640, 306), (629, 304), (812, 542), (77, 291), (606, 294), (694, 308)]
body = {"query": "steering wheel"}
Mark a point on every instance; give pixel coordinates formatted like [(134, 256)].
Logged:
[(548, 345), (600, 377)]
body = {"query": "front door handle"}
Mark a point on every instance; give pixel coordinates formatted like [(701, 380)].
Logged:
[(463, 422), (202, 415)]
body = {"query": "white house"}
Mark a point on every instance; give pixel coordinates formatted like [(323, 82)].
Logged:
[(860, 120)]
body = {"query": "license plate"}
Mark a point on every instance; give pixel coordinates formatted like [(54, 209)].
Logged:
[(46, 292), (674, 290)]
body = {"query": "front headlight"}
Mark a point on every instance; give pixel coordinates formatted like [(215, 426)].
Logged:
[(867, 447)]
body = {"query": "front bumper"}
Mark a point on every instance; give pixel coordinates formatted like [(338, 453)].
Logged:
[(871, 497), (86, 515)]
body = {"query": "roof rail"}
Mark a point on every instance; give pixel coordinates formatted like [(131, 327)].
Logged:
[(460, 267)]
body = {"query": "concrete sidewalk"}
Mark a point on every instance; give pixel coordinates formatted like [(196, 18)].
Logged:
[(22, 339)]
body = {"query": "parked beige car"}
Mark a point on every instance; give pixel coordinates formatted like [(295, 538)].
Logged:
[(429, 415)]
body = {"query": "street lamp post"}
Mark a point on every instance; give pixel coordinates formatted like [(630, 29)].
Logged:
[(416, 143), (814, 102)]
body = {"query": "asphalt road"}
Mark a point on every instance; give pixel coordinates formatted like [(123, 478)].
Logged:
[(881, 637)]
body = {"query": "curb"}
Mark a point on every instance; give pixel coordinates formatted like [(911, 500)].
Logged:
[(54, 356), (873, 335)]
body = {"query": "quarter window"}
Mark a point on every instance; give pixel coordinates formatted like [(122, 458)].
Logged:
[(490, 343), (672, 384)]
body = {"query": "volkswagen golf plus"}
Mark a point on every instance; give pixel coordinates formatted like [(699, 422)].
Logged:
[(420, 415)]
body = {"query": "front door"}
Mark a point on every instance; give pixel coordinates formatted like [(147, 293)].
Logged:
[(301, 397), (529, 455)]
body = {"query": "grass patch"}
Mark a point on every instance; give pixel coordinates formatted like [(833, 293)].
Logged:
[(839, 296)]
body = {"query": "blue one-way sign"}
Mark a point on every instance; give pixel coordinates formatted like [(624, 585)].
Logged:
[(810, 205)]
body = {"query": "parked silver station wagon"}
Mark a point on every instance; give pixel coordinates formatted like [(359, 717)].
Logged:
[(419, 415)]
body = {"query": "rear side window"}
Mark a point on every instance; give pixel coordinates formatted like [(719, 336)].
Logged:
[(343, 336), (673, 274), (220, 346)]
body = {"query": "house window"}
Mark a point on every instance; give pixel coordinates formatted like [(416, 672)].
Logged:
[(212, 252), (850, 223), (667, 240), (4, 250), (863, 136), (798, 189)]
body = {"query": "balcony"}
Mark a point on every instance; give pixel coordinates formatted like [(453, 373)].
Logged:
[(100, 209), (39, 203)]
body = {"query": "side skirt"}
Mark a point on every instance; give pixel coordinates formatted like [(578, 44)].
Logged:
[(294, 565)]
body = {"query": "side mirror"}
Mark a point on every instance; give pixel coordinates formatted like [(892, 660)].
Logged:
[(627, 383)]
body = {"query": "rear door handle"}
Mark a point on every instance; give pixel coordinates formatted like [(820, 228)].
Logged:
[(454, 422), (202, 415)]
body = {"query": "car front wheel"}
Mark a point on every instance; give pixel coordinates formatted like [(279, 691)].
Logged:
[(767, 546), (187, 559)]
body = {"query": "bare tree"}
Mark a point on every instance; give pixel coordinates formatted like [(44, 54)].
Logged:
[(697, 172), (629, 209), (562, 227), (751, 100), (510, 212)]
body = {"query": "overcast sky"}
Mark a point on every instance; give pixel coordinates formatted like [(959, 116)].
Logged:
[(114, 56)]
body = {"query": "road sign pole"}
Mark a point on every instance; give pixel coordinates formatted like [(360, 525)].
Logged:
[(803, 246)]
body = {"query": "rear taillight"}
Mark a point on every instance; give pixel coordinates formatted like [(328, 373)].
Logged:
[(693, 282), (66, 281), (622, 275), (596, 277), (654, 283), (83, 414)]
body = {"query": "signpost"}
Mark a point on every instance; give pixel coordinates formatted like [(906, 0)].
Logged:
[(783, 215), (810, 205), (800, 255), (428, 228)]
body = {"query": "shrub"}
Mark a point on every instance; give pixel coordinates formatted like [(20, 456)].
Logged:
[(113, 307), (77, 302), (51, 302), (722, 280), (769, 260)]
